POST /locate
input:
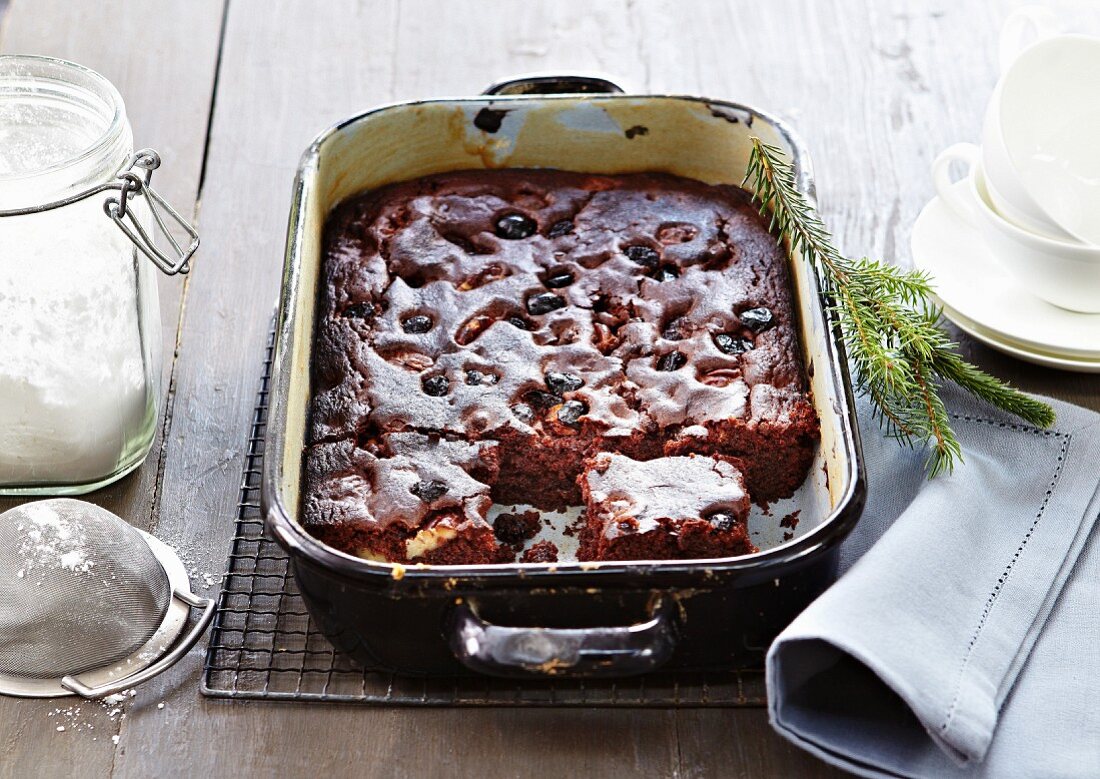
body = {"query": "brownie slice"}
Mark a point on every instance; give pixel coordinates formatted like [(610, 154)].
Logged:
[(407, 498), (665, 508)]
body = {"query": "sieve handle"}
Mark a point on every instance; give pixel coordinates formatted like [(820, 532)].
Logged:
[(177, 652)]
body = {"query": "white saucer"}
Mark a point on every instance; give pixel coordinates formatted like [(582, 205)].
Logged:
[(976, 332), (986, 301)]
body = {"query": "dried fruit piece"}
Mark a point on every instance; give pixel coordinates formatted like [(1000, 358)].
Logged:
[(492, 272), (673, 361), (560, 228), (417, 324), (674, 330), (472, 328), (541, 399), (728, 343), (721, 520), (559, 279), (436, 386), (560, 383), (523, 412), (544, 303), (358, 311), (515, 227), (475, 377), (570, 412), (645, 256), (666, 273), (604, 339), (429, 491), (757, 319)]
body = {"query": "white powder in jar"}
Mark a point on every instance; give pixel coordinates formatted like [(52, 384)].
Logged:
[(34, 134), (74, 395)]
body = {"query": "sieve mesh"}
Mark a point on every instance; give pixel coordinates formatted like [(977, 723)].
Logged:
[(80, 589)]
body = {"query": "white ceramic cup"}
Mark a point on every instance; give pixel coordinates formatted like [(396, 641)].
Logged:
[(1064, 273), (1024, 30), (1049, 109)]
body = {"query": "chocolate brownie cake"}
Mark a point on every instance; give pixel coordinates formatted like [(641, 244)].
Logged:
[(481, 334), (665, 508)]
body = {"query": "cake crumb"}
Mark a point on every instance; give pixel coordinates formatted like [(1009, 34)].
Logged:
[(576, 526), (790, 520), (514, 529), (541, 552)]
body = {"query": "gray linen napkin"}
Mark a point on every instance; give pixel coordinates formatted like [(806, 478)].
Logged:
[(964, 637)]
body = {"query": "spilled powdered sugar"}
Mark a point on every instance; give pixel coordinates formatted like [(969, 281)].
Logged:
[(93, 717), (96, 717), (200, 579)]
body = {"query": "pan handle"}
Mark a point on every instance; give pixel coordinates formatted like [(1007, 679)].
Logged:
[(532, 652), (554, 84)]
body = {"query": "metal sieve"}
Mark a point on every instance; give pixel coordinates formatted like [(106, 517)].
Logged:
[(88, 603)]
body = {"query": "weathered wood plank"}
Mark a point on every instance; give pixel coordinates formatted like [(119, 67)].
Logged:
[(161, 56)]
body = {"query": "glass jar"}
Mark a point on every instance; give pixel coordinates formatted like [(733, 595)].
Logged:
[(80, 360)]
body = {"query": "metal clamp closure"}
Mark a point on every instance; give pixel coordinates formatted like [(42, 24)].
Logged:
[(134, 179)]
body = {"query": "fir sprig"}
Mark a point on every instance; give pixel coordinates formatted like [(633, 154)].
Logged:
[(893, 332)]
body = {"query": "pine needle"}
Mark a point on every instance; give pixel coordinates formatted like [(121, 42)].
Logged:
[(893, 332)]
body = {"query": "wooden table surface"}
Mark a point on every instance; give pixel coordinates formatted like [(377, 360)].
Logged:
[(231, 91)]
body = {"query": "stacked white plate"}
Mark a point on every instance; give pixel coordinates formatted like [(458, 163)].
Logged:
[(989, 304)]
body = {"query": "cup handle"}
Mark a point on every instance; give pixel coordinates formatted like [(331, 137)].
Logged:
[(1024, 27), (945, 185)]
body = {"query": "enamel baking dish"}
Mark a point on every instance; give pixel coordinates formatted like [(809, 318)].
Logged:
[(610, 618)]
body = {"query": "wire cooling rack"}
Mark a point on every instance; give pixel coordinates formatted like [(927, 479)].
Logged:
[(265, 646)]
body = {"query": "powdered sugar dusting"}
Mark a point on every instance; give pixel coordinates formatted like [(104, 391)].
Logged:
[(75, 560), (200, 578), (50, 540)]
